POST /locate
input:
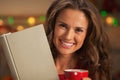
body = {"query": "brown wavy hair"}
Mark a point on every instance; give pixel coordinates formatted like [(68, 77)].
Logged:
[(93, 55)]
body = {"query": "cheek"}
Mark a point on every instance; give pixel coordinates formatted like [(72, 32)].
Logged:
[(80, 40), (58, 32), (56, 35)]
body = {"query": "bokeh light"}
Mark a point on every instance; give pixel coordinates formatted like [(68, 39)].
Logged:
[(42, 18), (115, 22), (109, 20), (31, 21), (1, 22), (103, 13), (10, 20), (19, 28)]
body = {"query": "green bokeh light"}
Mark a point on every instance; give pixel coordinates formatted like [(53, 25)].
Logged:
[(103, 13), (115, 22), (10, 20), (42, 18)]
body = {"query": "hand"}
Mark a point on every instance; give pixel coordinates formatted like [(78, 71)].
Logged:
[(87, 78)]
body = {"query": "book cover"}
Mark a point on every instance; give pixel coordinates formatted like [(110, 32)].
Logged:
[(28, 54)]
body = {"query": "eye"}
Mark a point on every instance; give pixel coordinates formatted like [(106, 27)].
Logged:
[(63, 25), (79, 30)]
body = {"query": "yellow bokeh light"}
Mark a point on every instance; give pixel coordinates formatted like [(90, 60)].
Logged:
[(109, 20), (31, 20), (20, 28), (1, 22)]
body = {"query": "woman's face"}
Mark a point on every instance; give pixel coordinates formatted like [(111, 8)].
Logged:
[(70, 31)]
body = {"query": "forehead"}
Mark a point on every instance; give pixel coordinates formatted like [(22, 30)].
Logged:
[(67, 10), (72, 13), (73, 16)]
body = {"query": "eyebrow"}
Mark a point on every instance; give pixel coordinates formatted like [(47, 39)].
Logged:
[(81, 27), (62, 22)]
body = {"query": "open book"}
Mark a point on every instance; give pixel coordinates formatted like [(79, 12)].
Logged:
[(28, 54)]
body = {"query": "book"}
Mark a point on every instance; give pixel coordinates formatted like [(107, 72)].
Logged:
[(28, 54)]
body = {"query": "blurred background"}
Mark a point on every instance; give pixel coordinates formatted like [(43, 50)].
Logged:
[(16, 15)]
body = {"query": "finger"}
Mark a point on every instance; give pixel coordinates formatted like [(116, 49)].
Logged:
[(86, 78)]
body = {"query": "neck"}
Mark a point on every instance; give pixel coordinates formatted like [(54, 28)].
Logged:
[(64, 62)]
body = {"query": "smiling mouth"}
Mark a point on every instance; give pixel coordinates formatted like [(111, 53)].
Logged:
[(66, 45)]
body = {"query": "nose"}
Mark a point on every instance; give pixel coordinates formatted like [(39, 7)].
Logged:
[(69, 35)]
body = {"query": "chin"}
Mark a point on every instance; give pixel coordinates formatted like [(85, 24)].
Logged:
[(65, 52)]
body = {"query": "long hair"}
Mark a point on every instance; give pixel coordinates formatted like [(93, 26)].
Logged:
[(93, 55)]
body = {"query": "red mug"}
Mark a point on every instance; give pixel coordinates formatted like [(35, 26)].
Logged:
[(75, 74)]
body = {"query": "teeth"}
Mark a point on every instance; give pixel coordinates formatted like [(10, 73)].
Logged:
[(68, 44)]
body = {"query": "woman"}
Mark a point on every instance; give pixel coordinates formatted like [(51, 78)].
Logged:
[(77, 39)]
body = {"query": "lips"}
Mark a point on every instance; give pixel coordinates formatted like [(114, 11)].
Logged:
[(66, 45)]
